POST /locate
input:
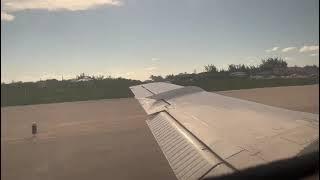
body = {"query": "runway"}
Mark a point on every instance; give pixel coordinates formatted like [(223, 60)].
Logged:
[(104, 139)]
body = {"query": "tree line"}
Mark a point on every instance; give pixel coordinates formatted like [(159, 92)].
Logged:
[(266, 65)]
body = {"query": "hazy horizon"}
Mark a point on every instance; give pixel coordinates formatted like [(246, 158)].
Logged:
[(137, 38)]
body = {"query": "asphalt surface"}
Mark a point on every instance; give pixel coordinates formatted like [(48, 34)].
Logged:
[(106, 139)]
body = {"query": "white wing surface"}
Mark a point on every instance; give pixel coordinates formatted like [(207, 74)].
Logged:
[(206, 134)]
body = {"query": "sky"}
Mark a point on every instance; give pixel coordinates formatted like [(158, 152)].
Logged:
[(43, 39)]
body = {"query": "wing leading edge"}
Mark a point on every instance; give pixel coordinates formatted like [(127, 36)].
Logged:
[(205, 134)]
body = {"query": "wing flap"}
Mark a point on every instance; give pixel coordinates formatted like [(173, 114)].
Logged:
[(188, 158)]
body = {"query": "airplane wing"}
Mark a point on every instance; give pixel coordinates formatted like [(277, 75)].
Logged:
[(205, 134)]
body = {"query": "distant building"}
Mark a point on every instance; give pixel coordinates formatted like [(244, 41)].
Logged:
[(238, 74), (83, 79), (42, 84)]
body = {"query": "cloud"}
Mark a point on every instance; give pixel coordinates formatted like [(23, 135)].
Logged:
[(288, 49), (154, 59), (272, 49), (6, 17), (315, 54), (150, 68), (309, 48), (11, 6)]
